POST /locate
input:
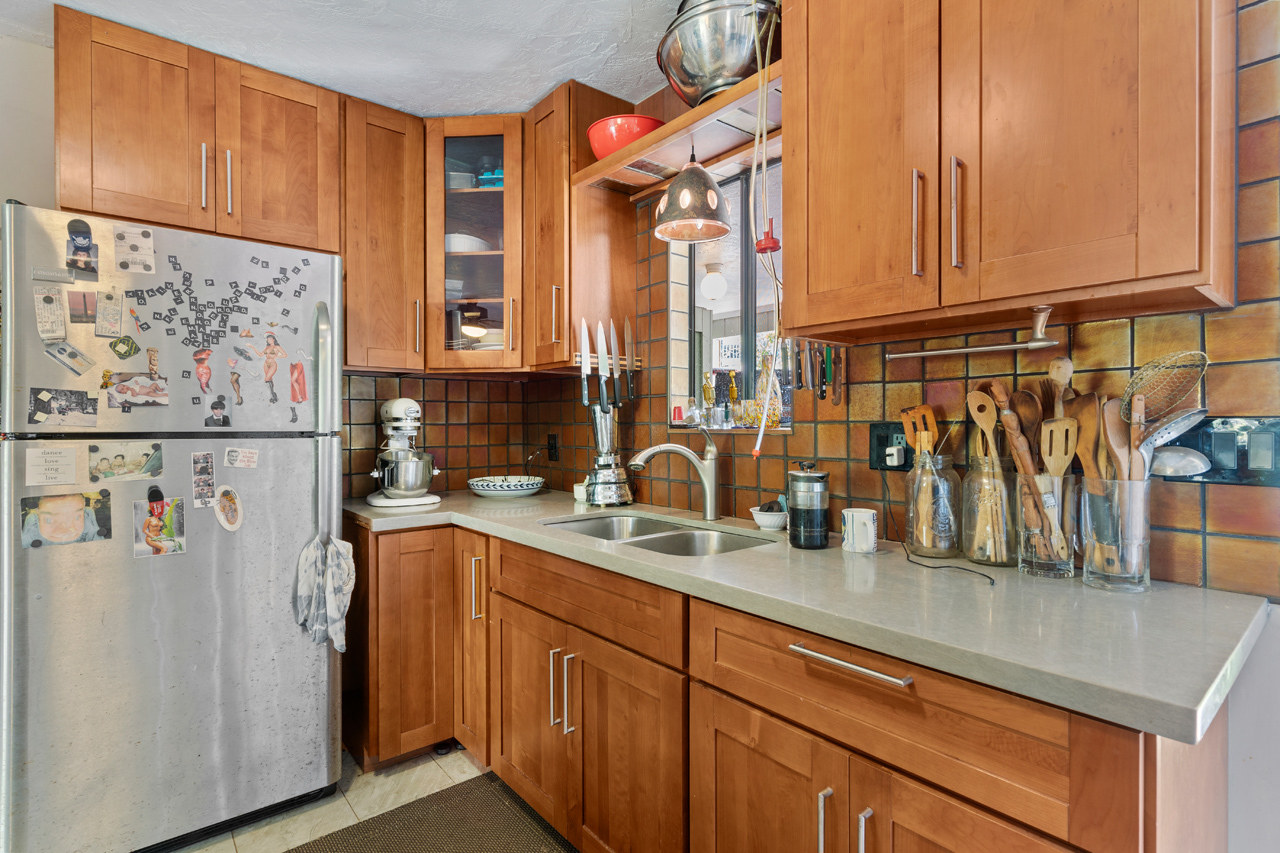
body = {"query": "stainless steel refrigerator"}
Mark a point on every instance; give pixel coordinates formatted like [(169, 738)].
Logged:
[(169, 403)]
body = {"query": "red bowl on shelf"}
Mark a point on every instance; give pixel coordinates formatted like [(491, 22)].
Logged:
[(617, 132)]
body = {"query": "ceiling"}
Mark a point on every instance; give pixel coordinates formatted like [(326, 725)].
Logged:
[(426, 57)]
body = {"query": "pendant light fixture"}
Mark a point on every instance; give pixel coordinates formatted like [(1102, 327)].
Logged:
[(692, 210), (473, 321)]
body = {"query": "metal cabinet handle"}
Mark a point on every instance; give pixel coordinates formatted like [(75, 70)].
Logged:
[(417, 325), (204, 175), (799, 648), (474, 614), (917, 177), (555, 303), (228, 182), (564, 686), (956, 260), (862, 829), (511, 322), (823, 796), (551, 691)]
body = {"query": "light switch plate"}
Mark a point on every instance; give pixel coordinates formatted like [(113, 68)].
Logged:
[(883, 436)]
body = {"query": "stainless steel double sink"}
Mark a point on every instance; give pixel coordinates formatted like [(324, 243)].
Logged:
[(659, 536)]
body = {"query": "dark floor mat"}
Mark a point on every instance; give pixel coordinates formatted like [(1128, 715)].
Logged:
[(480, 815)]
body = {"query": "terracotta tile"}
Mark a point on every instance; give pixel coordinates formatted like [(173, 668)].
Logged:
[(859, 441), (1259, 152), (1109, 382), (1176, 557), (899, 396), (1258, 271), (866, 363), (457, 435), (1244, 510), (833, 441), (829, 411), (865, 483), (1175, 504), (1037, 361), (1259, 32), (838, 477), (456, 412), (1259, 212), (1247, 333), (898, 517), (659, 492), (498, 391), (361, 388), (903, 369), (991, 363), (478, 392), (1244, 565), (800, 444), (745, 471), (947, 399), (1259, 92), (802, 406), (945, 366), (387, 387), (364, 412), (866, 402), (1100, 346), (1161, 335), (772, 476), (1243, 389)]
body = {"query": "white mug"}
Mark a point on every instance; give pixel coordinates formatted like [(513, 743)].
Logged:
[(860, 531)]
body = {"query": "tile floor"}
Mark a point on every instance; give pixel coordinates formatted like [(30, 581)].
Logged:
[(360, 796)]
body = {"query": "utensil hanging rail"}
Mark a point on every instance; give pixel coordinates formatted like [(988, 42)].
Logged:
[(1039, 320)]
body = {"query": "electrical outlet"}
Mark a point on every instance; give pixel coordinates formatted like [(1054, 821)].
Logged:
[(553, 448), (883, 436)]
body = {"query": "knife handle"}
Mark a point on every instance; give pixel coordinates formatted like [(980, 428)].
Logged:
[(799, 367), (617, 391), (586, 393), (604, 394), (631, 391)]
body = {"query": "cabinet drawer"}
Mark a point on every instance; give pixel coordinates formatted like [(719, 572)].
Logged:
[(1022, 758), (632, 613)]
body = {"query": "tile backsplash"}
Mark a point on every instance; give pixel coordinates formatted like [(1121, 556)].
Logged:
[(1220, 536)]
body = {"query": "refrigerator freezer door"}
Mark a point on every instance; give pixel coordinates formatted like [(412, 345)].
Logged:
[(157, 695), (223, 334)]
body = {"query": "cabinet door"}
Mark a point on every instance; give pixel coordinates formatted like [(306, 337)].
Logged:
[(627, 735), (527, 745), (382, 237), (862, 173), (922, 820), (134, 123), (474, 242), (547, 229), (471, 643), (415, 640), (758, 785), (1076, 128), (277, 158)]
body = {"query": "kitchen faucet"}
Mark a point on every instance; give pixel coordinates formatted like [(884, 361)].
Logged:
[(706, 468)]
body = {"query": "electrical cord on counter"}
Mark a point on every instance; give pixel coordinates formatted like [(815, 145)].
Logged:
[(903, 540)]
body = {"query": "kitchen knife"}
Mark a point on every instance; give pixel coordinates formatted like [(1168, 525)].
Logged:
[(602, 361), (617, 364), (630, 345), (821, 368), (585, 337), (799, 349), (837, 369), (808, 365)]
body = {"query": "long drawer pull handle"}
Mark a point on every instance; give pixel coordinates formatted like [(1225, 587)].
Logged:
[(474, 613), (956, 260), (799, 648), (555, 303), (822, 818), (511, 321), (916, 178), (862, 829), (564, 685), (551, 690), (204, 175), (228, 182), (417, 325)]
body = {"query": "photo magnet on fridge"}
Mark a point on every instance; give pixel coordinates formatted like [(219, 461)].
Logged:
[(218, 416), (110, 307), (69, 357), (135, 250), (83, 305), (82, 252), (159, 526), (228, 509), (137, 389), (202, 479), (66, 519), (125, 347), (125, 460), (62, 407), (240, 457)]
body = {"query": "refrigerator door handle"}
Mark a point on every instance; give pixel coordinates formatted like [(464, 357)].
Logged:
[(324, 368), (7, 550)]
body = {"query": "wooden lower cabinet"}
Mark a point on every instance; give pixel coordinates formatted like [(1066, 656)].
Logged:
[(589, 734), (471, 643), (397, 679), (758, 784)]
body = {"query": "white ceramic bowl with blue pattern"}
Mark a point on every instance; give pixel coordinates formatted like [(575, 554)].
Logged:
[(506, 487)]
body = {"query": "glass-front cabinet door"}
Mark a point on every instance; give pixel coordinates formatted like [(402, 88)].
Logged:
[(474, 252)]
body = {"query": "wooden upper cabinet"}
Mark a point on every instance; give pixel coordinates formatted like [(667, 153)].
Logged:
[(134, 115), (278, 137), (382, 237), (862, 170), (474, 243), (1076, 129), (555, 146)]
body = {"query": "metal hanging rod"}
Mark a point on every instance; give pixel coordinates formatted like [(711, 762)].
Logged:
[(1039, 319)]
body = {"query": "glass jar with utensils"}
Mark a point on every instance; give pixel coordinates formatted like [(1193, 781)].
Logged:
[(1046, 525), (933, 505), (1116, 534), (987, 528)]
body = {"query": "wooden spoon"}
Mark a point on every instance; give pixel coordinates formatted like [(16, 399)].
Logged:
[(1105, 471), (1060, 370), (1027, 407), (1033, 510), (983, 410), (1084, 410), (1116, 434)]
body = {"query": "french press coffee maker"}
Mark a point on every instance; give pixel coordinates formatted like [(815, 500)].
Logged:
[(808, 497)]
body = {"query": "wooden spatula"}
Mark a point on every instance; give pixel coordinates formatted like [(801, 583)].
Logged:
[(1115, 432), (916, 421), (1057, 448), (983, 410)]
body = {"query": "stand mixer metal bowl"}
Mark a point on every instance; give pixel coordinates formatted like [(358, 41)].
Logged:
[(403, 472)]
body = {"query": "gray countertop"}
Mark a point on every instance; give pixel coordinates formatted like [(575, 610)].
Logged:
[(1161, 662)]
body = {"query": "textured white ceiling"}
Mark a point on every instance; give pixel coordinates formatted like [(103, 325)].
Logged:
[(427, 57)]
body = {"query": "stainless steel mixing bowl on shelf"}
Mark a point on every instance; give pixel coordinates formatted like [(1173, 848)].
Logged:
[(710, 46)]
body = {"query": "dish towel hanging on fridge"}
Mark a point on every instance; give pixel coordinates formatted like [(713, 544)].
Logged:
[(326, 577)]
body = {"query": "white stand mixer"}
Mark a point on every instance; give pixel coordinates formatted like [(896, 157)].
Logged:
[(405, 473)]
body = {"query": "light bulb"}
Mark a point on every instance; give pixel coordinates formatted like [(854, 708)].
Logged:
[(473, 331), (714, 285)]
